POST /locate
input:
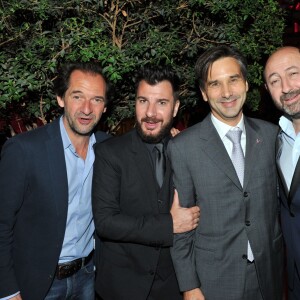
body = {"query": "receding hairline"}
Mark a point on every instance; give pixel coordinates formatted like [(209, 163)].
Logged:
[(276, 53)]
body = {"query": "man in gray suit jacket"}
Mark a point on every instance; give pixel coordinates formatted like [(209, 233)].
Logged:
[(235, 252)]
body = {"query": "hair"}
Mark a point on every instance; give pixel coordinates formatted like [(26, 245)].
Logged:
[(153, 74), (211, 55), (62, 81)]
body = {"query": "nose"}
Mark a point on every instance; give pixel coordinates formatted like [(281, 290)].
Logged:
[(151, 110), (226, 91), (286, 86), (86, 107)]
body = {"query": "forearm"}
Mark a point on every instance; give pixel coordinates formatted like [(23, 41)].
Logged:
[(150, 230), (183, 257)]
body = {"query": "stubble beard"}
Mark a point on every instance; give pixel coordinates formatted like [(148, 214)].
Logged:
[(76, 129), (153, 139), (293, 110)]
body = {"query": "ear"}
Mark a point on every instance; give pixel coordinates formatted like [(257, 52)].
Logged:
[(266, 87), (204, 96), (60, 101), (247, 86), (176, 107)]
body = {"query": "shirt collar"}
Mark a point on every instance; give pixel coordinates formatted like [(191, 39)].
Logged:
[(223, 128), (287, 127)]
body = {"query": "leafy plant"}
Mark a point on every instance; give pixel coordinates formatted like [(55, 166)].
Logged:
[(37, 36)]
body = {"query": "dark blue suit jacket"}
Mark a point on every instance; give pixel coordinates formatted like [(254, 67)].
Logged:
[(290, 217), (33, 206)]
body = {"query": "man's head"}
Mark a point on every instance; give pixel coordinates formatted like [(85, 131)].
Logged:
[(221, 73), (282, 78), (81, 90), (156, 104)]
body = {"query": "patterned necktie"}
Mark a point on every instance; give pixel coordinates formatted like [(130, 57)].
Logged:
[(159, 163), (237, 156), (238, 160)]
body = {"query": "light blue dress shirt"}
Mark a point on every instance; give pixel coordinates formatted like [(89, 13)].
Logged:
[(290, 150), (78, 240)]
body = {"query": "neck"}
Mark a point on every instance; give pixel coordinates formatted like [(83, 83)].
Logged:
[(80, 144)]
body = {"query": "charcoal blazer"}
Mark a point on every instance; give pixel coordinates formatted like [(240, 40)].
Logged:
[(214, 256), (33, 205), (290, 216), (132, 217)]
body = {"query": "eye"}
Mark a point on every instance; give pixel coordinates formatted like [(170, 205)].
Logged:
[(214, 84), (76, 97), (98, 100), (234, 79), (274, 82), (162, 102)]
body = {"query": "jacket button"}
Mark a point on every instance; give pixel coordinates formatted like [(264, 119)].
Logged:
[(291, 214), (160, 202), (247, 223), (244, 256), (245, 194)]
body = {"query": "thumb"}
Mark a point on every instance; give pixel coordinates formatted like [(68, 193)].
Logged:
[(176, 199)]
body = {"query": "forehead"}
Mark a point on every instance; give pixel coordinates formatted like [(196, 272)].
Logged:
[(223, 67), (160, 90), (86, 80), (281, 61)]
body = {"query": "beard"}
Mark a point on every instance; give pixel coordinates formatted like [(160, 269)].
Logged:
[(153, 139), (292, 109)]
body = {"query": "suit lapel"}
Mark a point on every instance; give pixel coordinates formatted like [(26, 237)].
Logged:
[(278, 154), (254, 144), (295, 182), (214, 148), (58, 186)]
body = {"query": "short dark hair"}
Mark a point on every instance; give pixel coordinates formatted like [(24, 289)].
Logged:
[(62, 81), (153, 74), (211, 55)]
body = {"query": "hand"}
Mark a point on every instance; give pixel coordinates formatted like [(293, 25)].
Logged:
[(194, 294), (184, 219), (174, 131)]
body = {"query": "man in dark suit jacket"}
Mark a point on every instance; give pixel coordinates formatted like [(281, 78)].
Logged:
[(235, 253), (282, 77), (131, 211), (46, 226)]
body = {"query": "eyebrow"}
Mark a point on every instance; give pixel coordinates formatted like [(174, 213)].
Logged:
[(145, 98), (231, 77), (287, 69)]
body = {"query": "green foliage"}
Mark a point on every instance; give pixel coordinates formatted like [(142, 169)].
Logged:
[(36, 36)]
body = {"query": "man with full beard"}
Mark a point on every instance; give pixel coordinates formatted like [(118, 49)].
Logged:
[(131, 201), (282, 76)]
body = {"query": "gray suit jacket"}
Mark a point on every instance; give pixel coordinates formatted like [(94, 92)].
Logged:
[(214, 256)]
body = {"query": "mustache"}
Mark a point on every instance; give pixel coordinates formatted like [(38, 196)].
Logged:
[(289, 95), (150, 120)]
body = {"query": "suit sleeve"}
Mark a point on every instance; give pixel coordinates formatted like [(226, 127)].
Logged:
[(111, 221), (182, 252), (12, 180)]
